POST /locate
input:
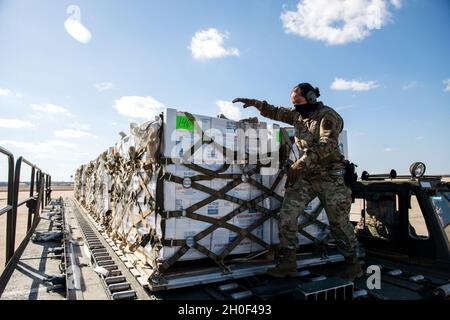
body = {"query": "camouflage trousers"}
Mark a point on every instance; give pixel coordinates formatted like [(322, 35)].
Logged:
[(335, 197), (377, 228)]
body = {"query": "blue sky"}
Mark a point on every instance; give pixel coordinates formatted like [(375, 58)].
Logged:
[(68, 91)]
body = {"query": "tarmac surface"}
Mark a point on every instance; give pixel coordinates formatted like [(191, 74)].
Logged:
[(22, 219), (37, 263)]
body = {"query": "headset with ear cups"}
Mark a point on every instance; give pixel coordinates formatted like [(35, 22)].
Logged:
[(311, 97), (309, 92)]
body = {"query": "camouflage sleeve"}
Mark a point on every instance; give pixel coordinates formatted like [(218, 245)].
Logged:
[(285, 115), (331, 126)]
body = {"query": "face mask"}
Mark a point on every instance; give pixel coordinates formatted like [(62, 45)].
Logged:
[(305, 110)]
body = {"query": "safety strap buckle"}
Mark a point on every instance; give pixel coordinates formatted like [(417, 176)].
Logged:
[(207, 139), (190, 242)]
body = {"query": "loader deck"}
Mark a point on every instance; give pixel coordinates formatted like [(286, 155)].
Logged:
[(36, 273)]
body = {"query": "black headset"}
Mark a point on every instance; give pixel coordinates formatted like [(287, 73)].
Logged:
[(308, 92)]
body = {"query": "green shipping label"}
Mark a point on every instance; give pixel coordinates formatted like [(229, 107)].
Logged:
[(183, 123)]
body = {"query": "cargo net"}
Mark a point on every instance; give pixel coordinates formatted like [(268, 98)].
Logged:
[(135, 191), (224, 221)]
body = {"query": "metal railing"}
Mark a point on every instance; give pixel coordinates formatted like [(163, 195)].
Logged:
[(37, 198), (9, 208), (48, 190), (9, 202)]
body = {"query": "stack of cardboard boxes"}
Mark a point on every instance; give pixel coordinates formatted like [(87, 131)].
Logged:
[(132, 207)]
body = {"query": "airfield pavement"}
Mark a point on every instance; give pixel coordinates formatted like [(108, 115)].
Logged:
[(22, 218)]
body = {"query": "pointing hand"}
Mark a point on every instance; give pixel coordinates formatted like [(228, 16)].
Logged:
[(249, 102)]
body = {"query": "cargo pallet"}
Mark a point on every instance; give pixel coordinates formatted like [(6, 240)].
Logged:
[(199, 275)]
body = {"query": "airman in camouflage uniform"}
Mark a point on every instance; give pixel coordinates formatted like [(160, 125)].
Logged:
[(380, 218), (319, 172)]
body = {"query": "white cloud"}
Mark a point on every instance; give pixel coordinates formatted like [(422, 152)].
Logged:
[(397, 3), (69, 133), (74, 27), (337, 22), (420, 138), (81, 126), (229, 110), (411, 85), (446, 85), (5, 92), (388, 150), (46, 149), (344, 107), (209, 44), (50, 108), (55, 156), (139, 107), (104, 86), (15, 123), (9, 93), (354, 85)]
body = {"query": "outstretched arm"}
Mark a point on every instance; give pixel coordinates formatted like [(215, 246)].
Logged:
[(269, 111)]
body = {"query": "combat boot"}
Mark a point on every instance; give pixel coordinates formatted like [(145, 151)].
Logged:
[(287, 265), (352, 268)]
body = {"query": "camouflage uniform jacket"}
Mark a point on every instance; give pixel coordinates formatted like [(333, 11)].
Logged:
[(316, 136)]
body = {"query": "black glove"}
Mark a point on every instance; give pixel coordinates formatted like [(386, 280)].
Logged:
[(250, 102)]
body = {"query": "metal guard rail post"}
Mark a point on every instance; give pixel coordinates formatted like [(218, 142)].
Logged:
[(10, 197), (32, 202), (40, 188)]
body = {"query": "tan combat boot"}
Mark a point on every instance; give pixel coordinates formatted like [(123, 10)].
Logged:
[(287, 265), (352, 268)]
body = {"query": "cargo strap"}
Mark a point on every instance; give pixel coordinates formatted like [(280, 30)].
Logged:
[(135, 169), (205, 174), (125, 170), (311, 218), (223, 222)]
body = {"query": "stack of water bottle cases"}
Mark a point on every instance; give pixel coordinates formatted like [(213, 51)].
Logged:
[(170, 165)]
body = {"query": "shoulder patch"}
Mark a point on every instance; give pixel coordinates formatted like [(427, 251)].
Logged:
[(327, 124)]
